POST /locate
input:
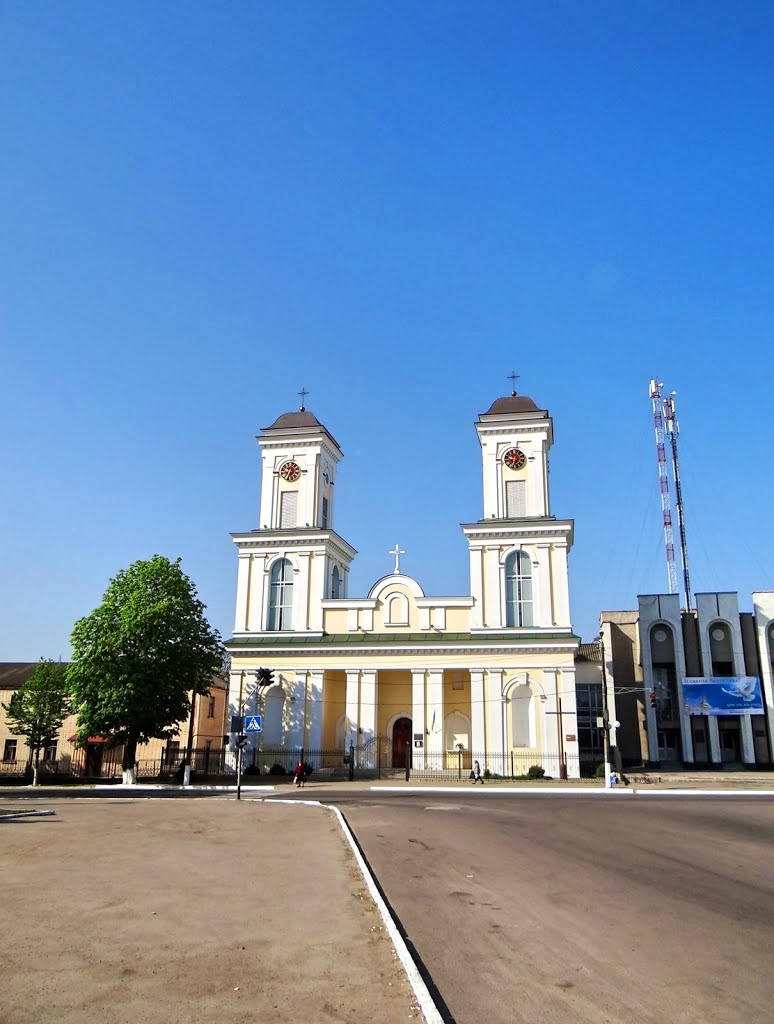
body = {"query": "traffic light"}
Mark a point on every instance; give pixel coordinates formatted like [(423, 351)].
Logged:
[(264, 677), (652, 698)]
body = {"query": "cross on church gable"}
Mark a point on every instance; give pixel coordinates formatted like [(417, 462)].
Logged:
[(397, 551)]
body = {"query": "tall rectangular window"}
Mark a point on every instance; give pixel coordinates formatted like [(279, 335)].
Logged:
[(325, 513), (9, 753), (515, 499), (288, 509), (211, 708)]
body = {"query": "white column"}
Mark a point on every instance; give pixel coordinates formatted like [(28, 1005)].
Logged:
[(476, 588), (352, 709), (368, 705), (496, 726), (494, 600), (418, 720), (243, 583), (314, 708), (297, 713), (542, 585), (301, 593), (478, 739), (435, 741)]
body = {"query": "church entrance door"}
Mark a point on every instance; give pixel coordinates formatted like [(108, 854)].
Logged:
[(401, 742)]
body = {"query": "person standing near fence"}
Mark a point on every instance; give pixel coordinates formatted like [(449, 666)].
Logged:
[(299, 775), (477, 776)]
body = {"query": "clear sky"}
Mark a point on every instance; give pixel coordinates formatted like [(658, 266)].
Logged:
[(207, 206)]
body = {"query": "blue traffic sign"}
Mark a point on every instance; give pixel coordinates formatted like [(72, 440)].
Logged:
[(253, 723)]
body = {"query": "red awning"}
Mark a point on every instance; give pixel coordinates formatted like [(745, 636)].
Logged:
[(91, 739)]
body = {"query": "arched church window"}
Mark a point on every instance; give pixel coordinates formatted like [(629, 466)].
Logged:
[(273, 717), (457, 731), (335, 582), (521, 716), (518, 590), (281, 595), (397, 610)]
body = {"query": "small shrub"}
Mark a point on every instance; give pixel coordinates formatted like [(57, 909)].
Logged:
[(277, 769), (600, 772), (535, 772), (487, 774)]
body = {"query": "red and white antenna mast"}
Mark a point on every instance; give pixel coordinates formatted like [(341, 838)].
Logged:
[(673, 431), (663, 481)]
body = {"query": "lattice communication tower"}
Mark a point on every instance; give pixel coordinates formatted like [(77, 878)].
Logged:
[(665, 424)]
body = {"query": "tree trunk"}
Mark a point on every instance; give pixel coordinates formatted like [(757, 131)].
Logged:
[(128, 762), (35, 780)]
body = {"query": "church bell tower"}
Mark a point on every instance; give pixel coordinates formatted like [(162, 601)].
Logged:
[(518, 550), (294, 559)]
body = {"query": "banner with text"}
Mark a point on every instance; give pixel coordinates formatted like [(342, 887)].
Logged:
[(723, 695)]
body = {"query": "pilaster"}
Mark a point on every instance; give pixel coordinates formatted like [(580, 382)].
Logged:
[(314, 708), (478, 739)]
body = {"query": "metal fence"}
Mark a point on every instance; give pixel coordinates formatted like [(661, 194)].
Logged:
[(378, 759)]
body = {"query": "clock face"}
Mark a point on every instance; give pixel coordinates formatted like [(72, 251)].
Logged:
[(515, 458), (291, 471)]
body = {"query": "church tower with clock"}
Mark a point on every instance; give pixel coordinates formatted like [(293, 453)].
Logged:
[(294, 559)]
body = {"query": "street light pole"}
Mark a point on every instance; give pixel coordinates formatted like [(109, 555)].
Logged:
[(605, 715)]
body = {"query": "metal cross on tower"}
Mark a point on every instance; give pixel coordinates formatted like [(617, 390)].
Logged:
[(302, 394), (513, 377)]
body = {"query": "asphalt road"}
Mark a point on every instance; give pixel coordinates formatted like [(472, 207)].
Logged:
[(566, 911)]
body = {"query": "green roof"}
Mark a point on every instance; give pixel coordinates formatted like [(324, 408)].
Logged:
[(428, 639)]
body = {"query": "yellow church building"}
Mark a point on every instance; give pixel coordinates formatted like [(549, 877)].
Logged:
[(398, 676)]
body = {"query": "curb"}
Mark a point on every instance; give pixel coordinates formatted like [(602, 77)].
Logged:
[(618, 792), (420, 989)]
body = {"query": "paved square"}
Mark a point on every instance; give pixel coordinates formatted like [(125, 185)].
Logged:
[(184, 911)]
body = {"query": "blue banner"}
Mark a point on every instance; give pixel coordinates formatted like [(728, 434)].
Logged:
[(723, 695)]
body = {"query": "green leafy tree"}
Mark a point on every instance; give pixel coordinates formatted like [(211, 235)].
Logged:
[(38, 708), (138, 657)]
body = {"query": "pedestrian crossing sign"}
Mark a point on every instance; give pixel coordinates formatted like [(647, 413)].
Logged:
[(253, 723)]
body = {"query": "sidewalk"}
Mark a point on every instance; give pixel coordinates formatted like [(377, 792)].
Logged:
[(140, 911)]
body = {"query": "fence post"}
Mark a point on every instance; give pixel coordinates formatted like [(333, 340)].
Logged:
[(351, 761), (459, 763), (512, 775), (408, 762)]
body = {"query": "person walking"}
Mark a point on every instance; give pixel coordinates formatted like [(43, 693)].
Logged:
[(299, 775), (477, 776)]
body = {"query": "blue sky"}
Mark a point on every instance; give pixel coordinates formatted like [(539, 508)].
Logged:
[(207, 206)]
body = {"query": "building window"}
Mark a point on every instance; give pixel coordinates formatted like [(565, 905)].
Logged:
[(211, 707), (335, 582), (325, 513), (281, 595), (288, 509), (9, 752), (173, 752), (49, 752), (721, 651), (518, 590)]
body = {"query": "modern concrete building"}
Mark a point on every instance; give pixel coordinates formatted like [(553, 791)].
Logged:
[(693, 688)]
